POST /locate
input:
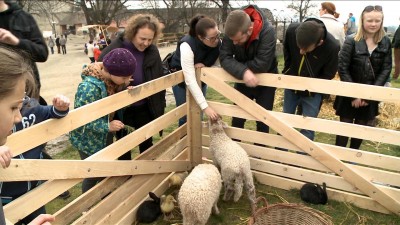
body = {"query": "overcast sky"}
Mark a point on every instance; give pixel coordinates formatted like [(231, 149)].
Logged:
[(391, 9)]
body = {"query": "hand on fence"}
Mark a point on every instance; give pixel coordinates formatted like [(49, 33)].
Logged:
[(5, 156), (61, 103), (115, 125), (250, 79), (42, 219), (199, 65)]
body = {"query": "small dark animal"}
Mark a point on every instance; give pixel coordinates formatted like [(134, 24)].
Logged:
[(314, 193), (149, 210)]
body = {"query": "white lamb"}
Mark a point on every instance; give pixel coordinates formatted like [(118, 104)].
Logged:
[(199, 194), (234, 163)]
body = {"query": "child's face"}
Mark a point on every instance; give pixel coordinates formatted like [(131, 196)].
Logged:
[(10, 110), (121, 80)]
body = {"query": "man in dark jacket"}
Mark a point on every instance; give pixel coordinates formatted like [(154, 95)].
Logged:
[(309, 51), (396, 51), (248, 48), (18, 29)]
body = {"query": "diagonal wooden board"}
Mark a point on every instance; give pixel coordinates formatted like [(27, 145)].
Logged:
[(349, 174), (33, 169)]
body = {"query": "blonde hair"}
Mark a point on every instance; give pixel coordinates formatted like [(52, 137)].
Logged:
[(139, 21), (361, 32), (14, 66)]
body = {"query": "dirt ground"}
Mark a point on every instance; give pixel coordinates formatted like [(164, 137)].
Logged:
[(60, 74)]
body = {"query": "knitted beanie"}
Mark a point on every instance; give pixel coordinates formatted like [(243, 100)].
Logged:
[(120, 62)]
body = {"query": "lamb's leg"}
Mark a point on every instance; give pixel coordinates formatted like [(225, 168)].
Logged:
[(251, 190), (238, 188), (215, 207), (228, 191)]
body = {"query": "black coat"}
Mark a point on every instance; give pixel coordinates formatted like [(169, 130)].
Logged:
[(356, 65), (23, 26), (152, 69), (323, 60), (259, 56)]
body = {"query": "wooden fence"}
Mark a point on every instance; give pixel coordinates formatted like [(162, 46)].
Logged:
[(366, 182)]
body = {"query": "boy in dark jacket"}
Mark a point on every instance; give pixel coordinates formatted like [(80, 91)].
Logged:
[(32, 113), (248, 48), (309, 51)]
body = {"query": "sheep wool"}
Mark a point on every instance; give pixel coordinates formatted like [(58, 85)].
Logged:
[(199, 194), (234, 163)]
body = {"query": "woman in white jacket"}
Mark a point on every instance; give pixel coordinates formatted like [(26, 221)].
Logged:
[(200, 48), (329, 16)]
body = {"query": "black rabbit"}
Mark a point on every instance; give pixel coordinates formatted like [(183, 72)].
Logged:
[(314, 193), (149, 210)]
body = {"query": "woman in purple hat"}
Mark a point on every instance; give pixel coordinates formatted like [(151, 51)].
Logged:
[(140, 38), (100, 80)]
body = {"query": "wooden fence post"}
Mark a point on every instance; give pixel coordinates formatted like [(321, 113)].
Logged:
[(194, 126)]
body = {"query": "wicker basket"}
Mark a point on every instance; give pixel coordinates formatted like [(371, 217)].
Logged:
[(287, 214)]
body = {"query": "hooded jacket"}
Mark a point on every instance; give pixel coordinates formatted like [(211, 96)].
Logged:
[(24, 27), (322, 62), (91, 137), (258, 54)]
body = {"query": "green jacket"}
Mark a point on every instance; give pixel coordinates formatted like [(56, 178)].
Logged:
[(92, 137)]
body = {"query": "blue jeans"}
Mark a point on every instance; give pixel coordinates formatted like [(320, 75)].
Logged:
[(311, 107), (180, 98)]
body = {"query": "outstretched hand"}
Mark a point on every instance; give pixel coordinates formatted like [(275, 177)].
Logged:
[(212, 115), (43, 219)]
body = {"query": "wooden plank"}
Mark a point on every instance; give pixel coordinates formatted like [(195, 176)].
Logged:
[(332, 87), (352, 155), (288, 184), (89, 198), (33, 169), (124, 209), (194, 125), (305, 161), (81, 204), (318, 124), (293, 171), (159, 147), (49, 190), (112, 200), (50, 129), (352, 176)]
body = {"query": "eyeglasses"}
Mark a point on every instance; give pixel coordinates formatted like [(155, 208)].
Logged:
[(212, 39), (372, 8)]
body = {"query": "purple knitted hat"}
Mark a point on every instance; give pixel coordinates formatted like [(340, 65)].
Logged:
[(120, 62)]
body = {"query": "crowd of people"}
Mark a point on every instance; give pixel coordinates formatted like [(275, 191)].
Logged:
[(316, 48)]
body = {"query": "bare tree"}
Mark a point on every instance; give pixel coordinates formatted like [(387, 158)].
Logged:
[(302, 7), (49, 9), (99, 11)]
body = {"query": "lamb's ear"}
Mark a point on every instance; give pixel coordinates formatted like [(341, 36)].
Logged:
[(224, 125)]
